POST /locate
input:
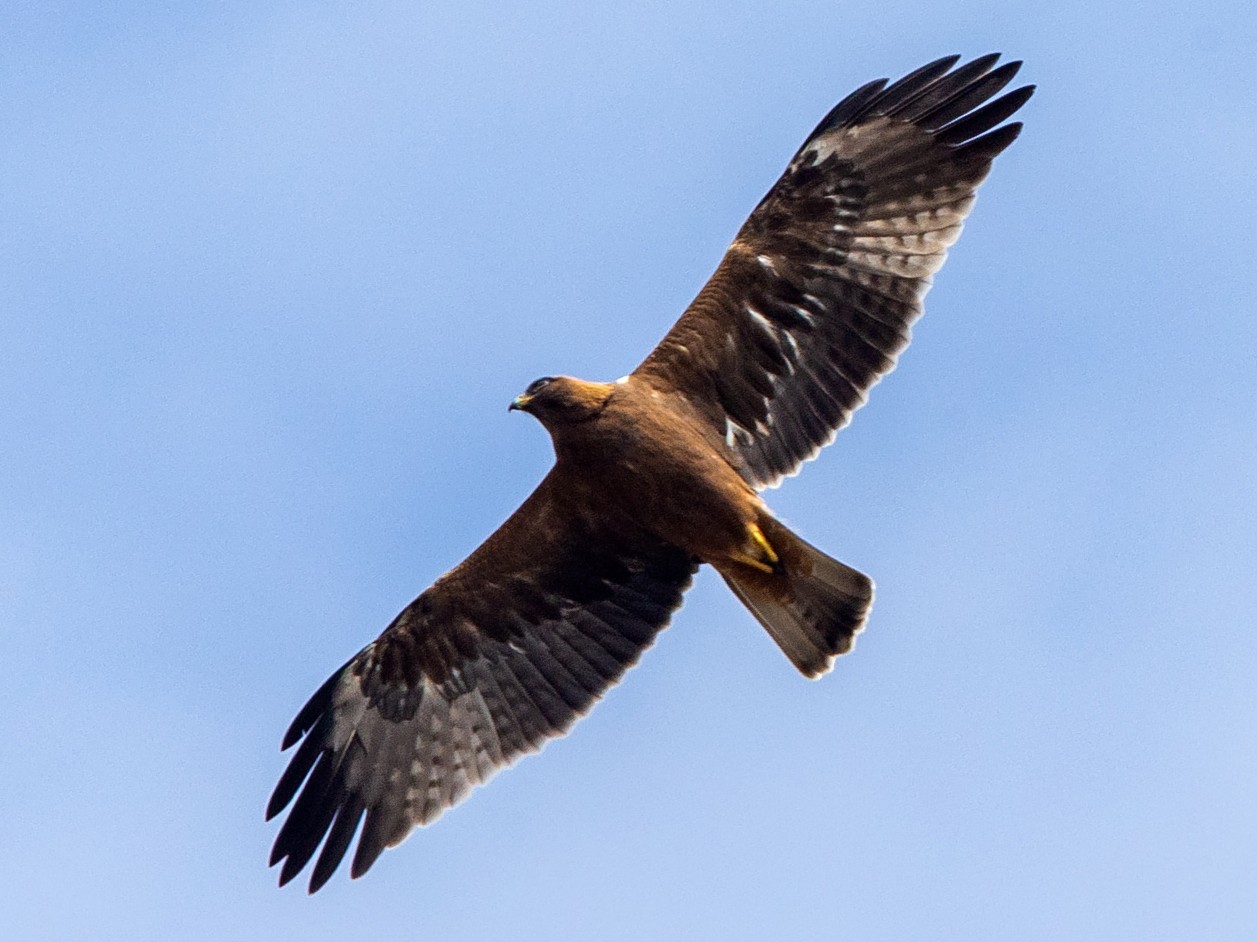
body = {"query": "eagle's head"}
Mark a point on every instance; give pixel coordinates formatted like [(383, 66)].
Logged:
[(557, 401)]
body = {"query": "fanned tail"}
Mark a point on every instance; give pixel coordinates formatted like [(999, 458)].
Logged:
[(813, 606)]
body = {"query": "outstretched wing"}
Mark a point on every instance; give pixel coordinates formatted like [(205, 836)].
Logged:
[(816, 296), (504, 652)]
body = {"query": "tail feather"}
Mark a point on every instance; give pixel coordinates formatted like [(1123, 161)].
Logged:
[(813, 608)]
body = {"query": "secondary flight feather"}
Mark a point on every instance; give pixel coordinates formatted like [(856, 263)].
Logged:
[(659, 473)]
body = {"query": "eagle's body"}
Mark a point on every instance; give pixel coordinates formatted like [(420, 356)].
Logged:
[(646, 455), (638, 458), (659, 473)]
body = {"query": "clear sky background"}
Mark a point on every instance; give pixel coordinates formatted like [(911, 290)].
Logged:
[(270, 274)]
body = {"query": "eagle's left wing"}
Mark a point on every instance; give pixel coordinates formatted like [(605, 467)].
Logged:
[(816, 296), (504, 652)]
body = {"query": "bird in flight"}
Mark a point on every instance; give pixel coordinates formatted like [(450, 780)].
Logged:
[(658, 473)]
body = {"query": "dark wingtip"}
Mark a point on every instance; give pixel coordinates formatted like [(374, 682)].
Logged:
[(934, 94), (849, 108), (298, 768), (370, 845), (965, 131), (339, 837), (923, 75), (290, 870), (319, 879), (991, 144), (987, 60), (315, 707)]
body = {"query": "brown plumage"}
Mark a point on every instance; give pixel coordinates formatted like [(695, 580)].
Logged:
[(658, 473)]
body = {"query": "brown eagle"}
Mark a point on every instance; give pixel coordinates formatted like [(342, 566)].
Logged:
[(659, 472)]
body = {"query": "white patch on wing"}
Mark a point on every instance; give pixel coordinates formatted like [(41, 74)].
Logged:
[(822, 148), (808, 313), (790, 350), (736, 434), (762, 322)]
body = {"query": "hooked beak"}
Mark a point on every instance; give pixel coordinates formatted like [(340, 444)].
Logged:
[(519, 404)]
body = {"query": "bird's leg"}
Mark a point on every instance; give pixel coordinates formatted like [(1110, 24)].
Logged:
[(758, 552)]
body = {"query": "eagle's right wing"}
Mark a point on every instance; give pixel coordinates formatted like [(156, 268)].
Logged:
[(504, 652)]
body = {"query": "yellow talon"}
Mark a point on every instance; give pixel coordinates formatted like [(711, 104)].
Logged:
[(758, 538), (753, 563), (762, 556)]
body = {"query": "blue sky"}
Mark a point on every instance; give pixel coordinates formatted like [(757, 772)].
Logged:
[(270, 274)]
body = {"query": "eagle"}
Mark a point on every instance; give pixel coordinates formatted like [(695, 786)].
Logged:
[(658, 473)]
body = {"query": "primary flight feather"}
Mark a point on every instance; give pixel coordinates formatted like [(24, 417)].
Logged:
[(658, 473)]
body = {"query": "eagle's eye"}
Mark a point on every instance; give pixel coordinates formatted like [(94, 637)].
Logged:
[(537, 385)]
